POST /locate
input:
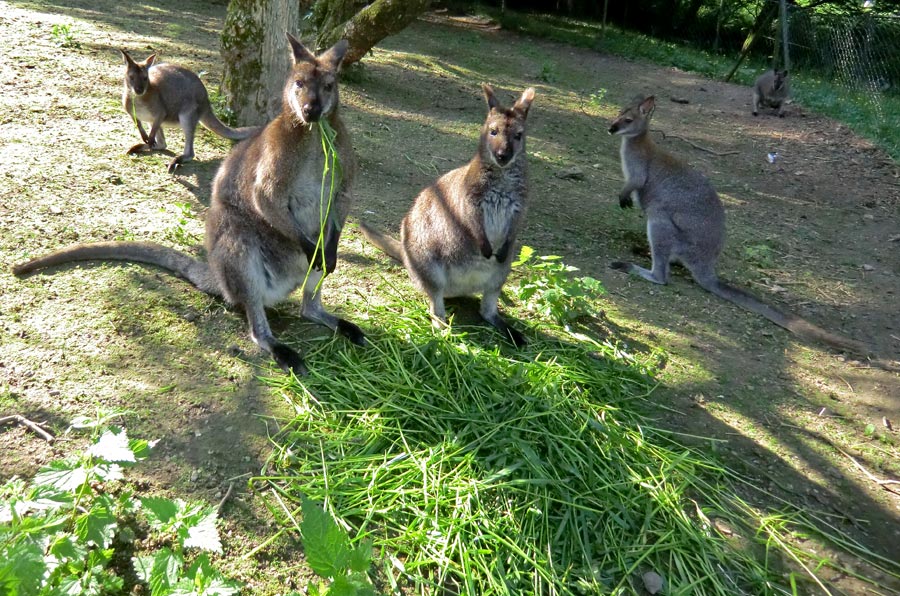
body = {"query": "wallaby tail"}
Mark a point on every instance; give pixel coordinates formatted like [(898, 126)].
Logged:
[(796, 325), (210, 121), (195, 271), (387, 244)]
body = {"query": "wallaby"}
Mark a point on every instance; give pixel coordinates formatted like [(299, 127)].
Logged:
[(458, 237), (686, 221), (266, 233), (166, 93), (772, 89)]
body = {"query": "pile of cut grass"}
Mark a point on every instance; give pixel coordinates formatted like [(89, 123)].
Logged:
[(483, 470)]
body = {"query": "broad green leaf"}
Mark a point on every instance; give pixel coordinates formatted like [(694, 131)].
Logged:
[(361, 556), (165, 571), (23, 566), (143, 567), (141, 448), (98, 525), (342, 586), (326, 545), (204, 535), (159, 511), (108, 471), (112, 447), (62, 475), (66, 548)]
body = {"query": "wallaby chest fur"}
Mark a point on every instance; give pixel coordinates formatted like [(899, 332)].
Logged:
[(458, 237)]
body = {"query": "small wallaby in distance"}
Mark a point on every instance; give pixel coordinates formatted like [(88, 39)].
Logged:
[(686, 222), (772, 88), (165, 93), (263, 232), (458, 237)]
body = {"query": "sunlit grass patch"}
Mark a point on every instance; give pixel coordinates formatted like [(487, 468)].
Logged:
[(479, 469)]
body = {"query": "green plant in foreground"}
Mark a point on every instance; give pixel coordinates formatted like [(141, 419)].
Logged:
[(547, 289), (72, 530), (330, 555), (63, 35)]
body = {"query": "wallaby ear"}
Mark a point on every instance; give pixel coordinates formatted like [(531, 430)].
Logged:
[(784, 73), (524, 102), (336, 54), (150, 60), (647, 105), (127, 58), (492, 101), (299, 53)]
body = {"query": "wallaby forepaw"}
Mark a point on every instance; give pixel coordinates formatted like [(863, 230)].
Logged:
[(756, 113), (174, 164), (620, 266), (289, 360), (351, 332), (625, 201)]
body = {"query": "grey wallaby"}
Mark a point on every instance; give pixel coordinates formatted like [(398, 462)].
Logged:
[(168, 94), (686, 222), (264, 228), (772, 88), (458, 237)]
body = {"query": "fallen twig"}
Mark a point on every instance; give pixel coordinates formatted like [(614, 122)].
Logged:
[(224, 498), (32, 425), (696, 146), (879, 481)]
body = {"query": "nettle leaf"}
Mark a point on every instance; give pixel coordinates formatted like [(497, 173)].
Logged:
[(141, 448), (97, 526), (204, 535), (62, 475), (361, 556), (112, 447), (164, 572), (342, 586), (326, 545), (208, 581), (143, 567), (108, 472), (159, 511), (23, 566), (65, 548)]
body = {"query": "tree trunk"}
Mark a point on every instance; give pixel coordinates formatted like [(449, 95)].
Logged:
[(256, 55), (763, 20), (341, 19)]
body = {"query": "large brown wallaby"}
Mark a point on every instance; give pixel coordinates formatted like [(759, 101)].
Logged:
[(772, 89), (686, 222), (263, 232), (458, 237), (165, 93)]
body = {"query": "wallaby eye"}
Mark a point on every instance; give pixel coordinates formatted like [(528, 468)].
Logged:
[(493, 132), (298, 84), (629, 120), (518, 136), (329, 86)]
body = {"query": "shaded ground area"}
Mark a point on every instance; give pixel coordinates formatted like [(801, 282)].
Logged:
[(816, 232)]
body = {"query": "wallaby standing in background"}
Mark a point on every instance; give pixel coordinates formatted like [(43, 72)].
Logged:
[(686, 221), (264, 218), (457, 238), (165, 93), (772, 89)]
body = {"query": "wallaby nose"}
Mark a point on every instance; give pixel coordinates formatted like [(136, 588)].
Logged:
[(311, 112), (613, 128)]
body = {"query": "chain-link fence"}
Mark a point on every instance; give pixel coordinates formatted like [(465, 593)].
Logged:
[(858, 51)]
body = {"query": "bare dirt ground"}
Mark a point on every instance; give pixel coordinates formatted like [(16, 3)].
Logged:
[(816, 232)]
